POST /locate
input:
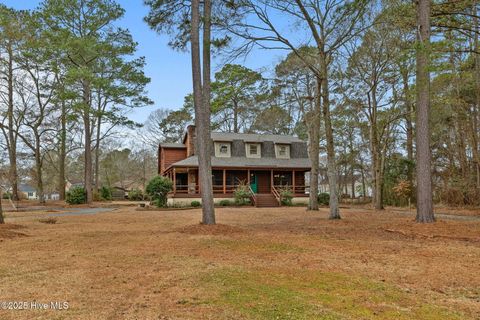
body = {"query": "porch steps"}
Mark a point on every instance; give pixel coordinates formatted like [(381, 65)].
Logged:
[(265, 200)]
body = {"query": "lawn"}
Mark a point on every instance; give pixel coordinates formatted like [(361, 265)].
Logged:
[(278, 263)]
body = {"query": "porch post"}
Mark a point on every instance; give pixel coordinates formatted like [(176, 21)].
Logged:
[(198, 182), (224, 181), (174, 181), (271, 178), (248, 176), (293, 181)]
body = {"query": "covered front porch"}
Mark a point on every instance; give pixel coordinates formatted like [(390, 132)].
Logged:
[(226, 180)]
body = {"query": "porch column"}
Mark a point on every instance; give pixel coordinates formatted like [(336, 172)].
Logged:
[(174, 181), (293, 181), (248, 176), (224, 181), (271, 178)]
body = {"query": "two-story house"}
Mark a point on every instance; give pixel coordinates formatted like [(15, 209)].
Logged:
[(264, 162)]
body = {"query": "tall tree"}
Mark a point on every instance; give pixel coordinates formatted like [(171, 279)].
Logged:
[(424, 173), (236, 94), (11, 37), (201, 100), (330, 25), (184, 19), (84, 31)]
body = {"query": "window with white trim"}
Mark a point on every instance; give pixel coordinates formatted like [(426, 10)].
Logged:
[(253, 150), (222, 149), (282, 151)]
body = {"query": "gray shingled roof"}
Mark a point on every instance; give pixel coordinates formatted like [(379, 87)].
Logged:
[(253, 137), (172, 145), (300, 163)]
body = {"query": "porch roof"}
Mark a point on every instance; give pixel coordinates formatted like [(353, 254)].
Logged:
[(239, 162)]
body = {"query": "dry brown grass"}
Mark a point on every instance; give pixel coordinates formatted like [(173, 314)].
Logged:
[(278, 263)]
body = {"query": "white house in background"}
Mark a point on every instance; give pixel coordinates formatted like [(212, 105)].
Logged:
[(28, 191)]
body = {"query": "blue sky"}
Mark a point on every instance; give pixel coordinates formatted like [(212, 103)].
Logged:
[(169, 70)]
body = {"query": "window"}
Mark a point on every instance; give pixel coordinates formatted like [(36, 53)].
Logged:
[(282, 151), (222, 149), (253, 150)]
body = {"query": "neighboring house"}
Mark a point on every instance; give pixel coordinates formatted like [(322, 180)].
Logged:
[(264, 162), (346, 184), (28, 191)]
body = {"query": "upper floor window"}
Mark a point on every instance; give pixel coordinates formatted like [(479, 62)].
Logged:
[(253, 150), (282, 151), (222, 149)]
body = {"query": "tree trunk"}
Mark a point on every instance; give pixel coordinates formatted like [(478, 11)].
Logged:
[(97, 154), (235, 117), (39, 169), (12, 150), (331, 170), (88, 142), (364, 186), (2, 219), (201, 97), (62, 153), (476, 107), (424, 175), (409, 109), (314, 147)]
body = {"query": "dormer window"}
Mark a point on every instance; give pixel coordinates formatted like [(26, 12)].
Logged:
[(253, 150), (222, 149), (282, 151)]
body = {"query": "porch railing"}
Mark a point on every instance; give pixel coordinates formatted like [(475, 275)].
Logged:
[(195, 189), (276, 194), (253, 197), (297, 190)]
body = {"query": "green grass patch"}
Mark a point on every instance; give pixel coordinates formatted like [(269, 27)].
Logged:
[(269, 294), (252, 245)]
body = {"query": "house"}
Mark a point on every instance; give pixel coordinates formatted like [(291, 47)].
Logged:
[(349, 187), (28, 191), (266, 163)]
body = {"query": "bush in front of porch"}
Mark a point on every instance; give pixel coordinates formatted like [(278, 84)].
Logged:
[(242, 194), (158, 188)]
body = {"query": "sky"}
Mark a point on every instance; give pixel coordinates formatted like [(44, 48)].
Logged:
[(169, 70)]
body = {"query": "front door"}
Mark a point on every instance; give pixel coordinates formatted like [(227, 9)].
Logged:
[(254, 183)]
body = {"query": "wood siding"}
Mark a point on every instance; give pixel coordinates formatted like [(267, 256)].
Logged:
[(168, 156)]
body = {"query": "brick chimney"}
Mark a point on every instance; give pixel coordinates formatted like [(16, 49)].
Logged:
[(190, 140)]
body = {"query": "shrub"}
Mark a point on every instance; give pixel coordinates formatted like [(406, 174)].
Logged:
[(324, 199), (6, 196), (224, 203), (195, 204), (96, 196), (158, 188), (76, 195), (135, 195), (286, 196), (106, 193), (242, 194), (49, 220)]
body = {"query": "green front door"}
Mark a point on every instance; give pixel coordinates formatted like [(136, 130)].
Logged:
[(253, 182)]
